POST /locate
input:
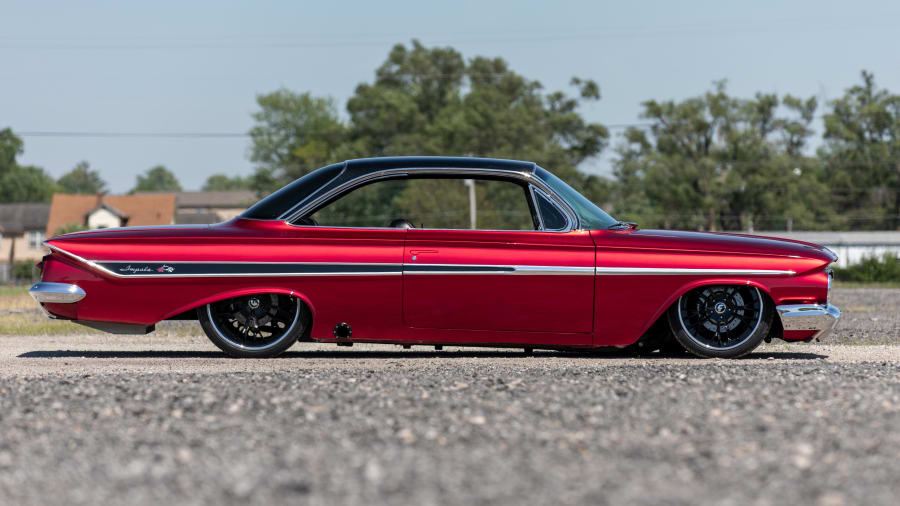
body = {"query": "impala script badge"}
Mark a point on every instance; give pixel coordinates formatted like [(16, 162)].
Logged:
[(135, 270), (130, 269)]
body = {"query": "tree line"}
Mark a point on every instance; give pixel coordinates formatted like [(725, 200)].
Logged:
[(710, 162)]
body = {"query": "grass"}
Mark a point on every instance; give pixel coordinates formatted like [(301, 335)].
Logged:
[(19, 315)]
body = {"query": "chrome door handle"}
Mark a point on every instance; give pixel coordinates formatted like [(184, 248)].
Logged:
[(416, 252)]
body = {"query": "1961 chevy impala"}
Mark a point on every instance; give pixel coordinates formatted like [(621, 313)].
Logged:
[(440, 251)]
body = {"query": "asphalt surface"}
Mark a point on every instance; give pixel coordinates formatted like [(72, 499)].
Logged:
[(144, 420), (94, 419)]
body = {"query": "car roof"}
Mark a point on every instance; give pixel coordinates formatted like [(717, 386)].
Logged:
[(365, 165)]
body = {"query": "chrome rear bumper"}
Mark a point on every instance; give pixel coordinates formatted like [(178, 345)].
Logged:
[(820, 317), (61, 293)]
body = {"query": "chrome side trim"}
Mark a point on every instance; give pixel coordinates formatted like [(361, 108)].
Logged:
[(820, 317), (413, 269), (290, 211), (58, 293), (678, 271), (398, 173)]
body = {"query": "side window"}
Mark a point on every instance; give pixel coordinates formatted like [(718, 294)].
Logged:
[(432, 203), (551, 215)]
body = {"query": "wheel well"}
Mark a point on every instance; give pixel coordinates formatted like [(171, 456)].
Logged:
[(191, 313), (775, 329)]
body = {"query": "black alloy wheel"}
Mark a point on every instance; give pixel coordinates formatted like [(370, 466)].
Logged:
[(723, 321), (259, 325)]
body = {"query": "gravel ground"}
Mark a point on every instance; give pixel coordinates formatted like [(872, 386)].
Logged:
[(868, 316), (90, 419)]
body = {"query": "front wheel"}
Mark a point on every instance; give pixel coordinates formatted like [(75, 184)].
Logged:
[(254, 326), (721, 321)]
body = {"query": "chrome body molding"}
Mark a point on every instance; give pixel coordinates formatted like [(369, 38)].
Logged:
[(820, 317), (678, 271), (58, 293), (312, 204), (169, 269), (519, 270)]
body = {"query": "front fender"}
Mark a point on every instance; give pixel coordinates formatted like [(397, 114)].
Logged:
[(628, 305)]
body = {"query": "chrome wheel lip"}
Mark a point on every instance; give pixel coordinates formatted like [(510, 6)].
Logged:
[(222, 336), (722, 348)]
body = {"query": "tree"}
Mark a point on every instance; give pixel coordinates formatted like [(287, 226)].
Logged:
[(295, 134), (430, 101), (157, 179), (82, 180), (20, 183), (721, 163), (221, 182), (862, 155)]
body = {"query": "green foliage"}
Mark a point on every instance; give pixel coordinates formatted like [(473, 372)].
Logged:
[(717, 162), (25, 272), (294, 134), (20, 183), (157, 179), (221, 182), (873, 269), (70, 227), (82, 179), (431, 101), (862, 156)]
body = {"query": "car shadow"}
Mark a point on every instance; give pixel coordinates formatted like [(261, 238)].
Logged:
[(374, 354)]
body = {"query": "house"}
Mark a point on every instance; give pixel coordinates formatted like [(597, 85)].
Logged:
[(211, 207), (107, 211), (22, 229)]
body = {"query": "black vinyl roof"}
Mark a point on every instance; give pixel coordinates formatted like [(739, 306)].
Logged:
[(449, 162), (318, 181)]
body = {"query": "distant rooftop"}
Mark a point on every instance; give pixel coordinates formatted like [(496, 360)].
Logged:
[(17, 218), (223, 199)]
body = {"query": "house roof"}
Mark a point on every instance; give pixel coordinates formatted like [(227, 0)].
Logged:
[(105, 205), (196, 218), (224, 199), (17, 218), (139, 209)]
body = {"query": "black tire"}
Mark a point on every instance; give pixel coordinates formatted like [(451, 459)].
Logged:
[(721, 321), (656, 338), (254, 326)]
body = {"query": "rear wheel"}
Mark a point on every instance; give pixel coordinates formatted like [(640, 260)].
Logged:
[(259, 325), (723, 321)]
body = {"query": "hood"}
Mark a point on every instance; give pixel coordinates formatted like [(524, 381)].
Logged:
[(715, 242)]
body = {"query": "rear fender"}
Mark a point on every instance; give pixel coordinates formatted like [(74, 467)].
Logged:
[(240, 293)]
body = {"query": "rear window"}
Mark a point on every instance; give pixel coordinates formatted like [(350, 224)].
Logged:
[(288, 197)]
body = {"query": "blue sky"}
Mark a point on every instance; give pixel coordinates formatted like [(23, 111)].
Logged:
[(197, 66)]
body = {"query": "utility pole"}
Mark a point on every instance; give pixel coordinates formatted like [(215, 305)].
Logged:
[(473, 211)]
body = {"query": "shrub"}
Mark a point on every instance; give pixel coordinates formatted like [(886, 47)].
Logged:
[(872, 269), (25, 272)]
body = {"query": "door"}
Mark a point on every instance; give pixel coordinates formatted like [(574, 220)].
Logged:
[(499, 280), (501, 274)]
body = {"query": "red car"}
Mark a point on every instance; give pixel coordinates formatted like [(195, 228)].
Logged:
[(441, 251)]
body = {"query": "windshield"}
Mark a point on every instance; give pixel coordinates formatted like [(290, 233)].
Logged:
[(590, 216), (286, 198)]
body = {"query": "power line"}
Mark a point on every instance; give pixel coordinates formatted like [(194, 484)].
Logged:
[(195, 135), (160, 135)]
